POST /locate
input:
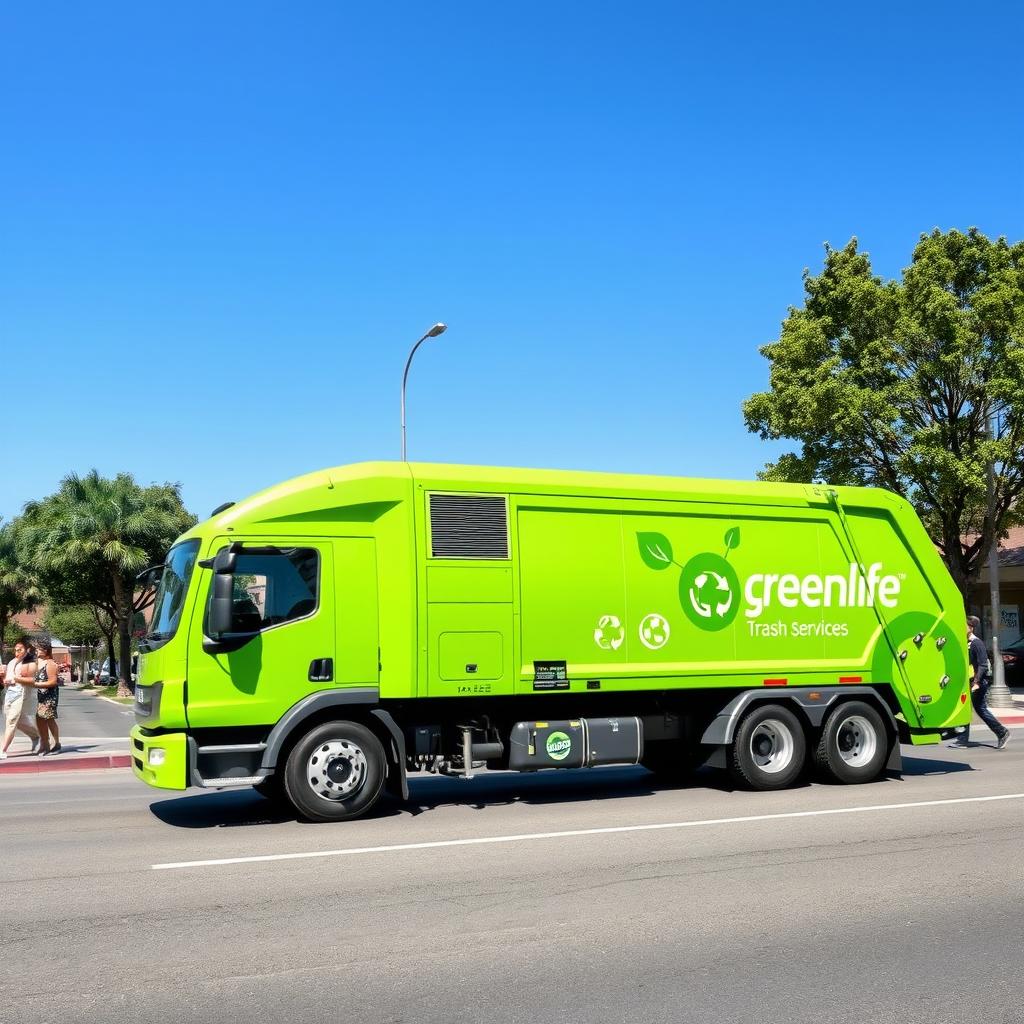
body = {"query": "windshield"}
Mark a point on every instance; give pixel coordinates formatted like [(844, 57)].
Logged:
[(170, 595)]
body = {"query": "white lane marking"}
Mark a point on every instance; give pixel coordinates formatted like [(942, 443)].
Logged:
[(533, 836)]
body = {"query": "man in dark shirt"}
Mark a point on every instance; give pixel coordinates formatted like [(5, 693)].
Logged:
[(981, 680)]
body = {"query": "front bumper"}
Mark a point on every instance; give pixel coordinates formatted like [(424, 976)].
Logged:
[(170, 770)]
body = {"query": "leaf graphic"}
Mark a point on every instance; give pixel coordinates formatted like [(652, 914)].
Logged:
[(655, 550), (732, 538)]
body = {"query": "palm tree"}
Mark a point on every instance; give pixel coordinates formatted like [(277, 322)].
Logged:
[(104, 533), (18, 589)]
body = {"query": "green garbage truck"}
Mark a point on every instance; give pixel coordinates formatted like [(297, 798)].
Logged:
[(326, 638)]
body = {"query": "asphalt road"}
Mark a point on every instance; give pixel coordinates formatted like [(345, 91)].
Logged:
[(735, 907), (84, 715)]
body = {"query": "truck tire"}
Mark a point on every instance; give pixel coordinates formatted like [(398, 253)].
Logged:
[(854, 744), (335, 772), (769, 748)]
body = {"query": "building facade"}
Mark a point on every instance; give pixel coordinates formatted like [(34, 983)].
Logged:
[(1011, 590)]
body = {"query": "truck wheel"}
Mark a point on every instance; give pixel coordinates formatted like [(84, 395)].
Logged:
[(854, 744), (769, 749), (335, 772)]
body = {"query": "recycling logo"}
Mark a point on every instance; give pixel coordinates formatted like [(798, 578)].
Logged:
[(654, 631), (609, 633), (709, 589)]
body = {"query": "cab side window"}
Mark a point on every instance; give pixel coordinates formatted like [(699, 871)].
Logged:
[(274, 588)]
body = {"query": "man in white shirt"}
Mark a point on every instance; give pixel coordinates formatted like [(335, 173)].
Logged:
[(19, 700)]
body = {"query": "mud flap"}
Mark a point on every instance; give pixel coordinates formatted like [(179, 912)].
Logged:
[(397, 782), (895, 763)]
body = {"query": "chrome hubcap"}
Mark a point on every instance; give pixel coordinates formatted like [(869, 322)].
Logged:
[(772, 746), (856, 741), (336, 769)]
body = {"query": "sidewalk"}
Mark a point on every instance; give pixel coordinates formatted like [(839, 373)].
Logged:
[(1008, 716), (70, 759), (93, 734)]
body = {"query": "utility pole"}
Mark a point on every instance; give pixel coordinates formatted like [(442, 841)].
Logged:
[(999, 695)]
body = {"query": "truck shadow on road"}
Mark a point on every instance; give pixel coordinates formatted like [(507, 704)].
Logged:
[(230, 808), (921, 766), (502, 788), (238, 808), (497, 789)]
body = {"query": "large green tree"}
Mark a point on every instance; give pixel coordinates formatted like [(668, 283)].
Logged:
[(79, 625), (894, 383), (75, 625), (89, 585), (19, 590), (94, 536)]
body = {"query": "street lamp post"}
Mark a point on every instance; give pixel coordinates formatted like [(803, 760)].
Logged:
[(999, 695), (432, 333)]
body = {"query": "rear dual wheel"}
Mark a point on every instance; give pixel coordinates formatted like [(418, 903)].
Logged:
[(769, 749), (854, 745)]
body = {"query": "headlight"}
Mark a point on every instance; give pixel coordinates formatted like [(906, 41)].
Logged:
[(156, 756)]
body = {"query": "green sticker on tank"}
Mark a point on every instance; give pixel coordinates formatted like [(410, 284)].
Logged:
[(558, 746)]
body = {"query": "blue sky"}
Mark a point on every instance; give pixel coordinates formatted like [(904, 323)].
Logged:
[(249, 211)]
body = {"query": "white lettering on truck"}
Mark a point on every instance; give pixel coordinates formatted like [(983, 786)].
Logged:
[(857, 590)]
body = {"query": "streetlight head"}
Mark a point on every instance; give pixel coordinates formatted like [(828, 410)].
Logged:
[(436, 330)]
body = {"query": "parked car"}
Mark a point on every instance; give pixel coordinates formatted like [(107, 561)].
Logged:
[(103, 676), (101, 673), (1013, 662)]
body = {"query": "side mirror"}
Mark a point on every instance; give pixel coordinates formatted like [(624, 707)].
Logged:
[(221, 604), (225, 560)]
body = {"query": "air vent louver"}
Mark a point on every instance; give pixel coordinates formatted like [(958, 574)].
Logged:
[(468, 526)]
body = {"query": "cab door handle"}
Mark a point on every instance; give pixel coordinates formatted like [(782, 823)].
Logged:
[(321, 670)]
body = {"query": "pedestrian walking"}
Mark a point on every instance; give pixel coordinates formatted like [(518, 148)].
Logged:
[(48, 692), (981, 680), (20, 698)]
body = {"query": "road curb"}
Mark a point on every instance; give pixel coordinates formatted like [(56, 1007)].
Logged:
[(110, 700), (1007, 719), (91, 762), (99, 696)]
